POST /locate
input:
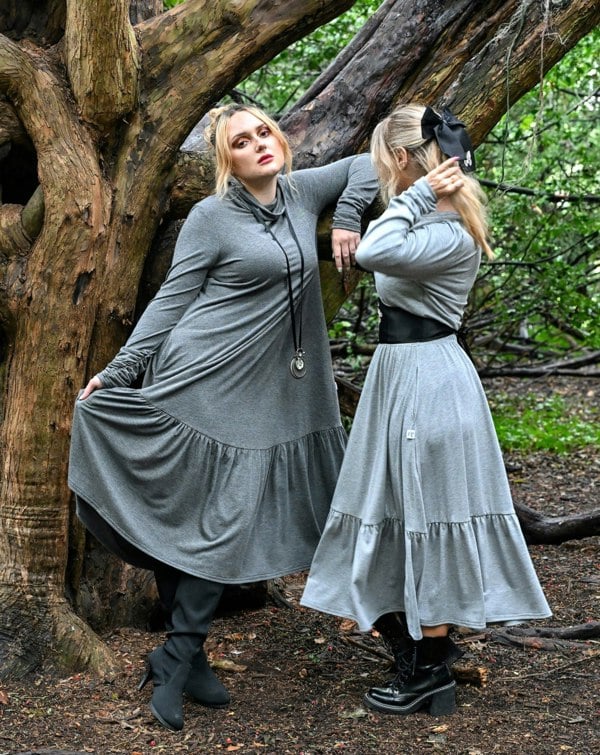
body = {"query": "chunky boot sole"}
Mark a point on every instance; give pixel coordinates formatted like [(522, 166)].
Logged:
[(437, 702)]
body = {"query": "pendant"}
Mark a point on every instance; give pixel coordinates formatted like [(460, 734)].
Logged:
[(298, 365)]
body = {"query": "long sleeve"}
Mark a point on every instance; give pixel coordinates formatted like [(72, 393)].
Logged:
[(394, 246), (193, 256), (351, 183)]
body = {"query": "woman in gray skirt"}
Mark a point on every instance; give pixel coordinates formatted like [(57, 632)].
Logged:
[(422, 533), (221, 467)]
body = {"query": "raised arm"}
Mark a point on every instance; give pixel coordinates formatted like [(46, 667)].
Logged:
[(392, 245), (352, 184)]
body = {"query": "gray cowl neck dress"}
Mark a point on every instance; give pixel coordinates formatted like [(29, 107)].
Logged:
[(222, 464)]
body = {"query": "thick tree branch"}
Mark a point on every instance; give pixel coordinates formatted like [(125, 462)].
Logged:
[(433, 66), (11, 129), (193, 178), (537, 36), (202, 48), (336, 109), (102, 59), (589, 631), (32, 216), (73, 186), (28, 79), (539, 529)]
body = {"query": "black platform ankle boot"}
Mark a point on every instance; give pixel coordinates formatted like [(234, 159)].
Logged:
[(431, 686), (169, 666), (394, 631)]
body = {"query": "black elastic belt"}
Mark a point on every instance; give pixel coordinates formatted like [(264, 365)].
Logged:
[(399, 326)]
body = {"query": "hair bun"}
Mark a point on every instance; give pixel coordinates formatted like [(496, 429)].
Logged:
[(214, 115)]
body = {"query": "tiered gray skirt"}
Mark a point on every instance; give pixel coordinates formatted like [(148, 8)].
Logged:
[(422, 519)]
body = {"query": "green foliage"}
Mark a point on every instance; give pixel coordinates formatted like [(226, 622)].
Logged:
[(544, 290), (535, 423), (275, 86), (539, 302)]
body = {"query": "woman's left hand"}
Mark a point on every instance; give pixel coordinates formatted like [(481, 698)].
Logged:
[(446, 178), (344, 244)]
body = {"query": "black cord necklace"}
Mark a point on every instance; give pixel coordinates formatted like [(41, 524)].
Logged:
[(298, 362)]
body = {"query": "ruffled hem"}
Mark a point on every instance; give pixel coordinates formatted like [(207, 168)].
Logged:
[(227, 514), (470, 574)]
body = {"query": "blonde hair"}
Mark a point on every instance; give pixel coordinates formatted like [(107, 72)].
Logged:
[(215, 135), (402, 128)]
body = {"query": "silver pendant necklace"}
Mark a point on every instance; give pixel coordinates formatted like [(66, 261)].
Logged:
[(298, 365)]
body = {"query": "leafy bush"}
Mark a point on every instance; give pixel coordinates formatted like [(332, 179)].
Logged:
[(535, 423), (541, 298)]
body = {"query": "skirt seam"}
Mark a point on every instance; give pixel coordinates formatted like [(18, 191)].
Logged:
[(334, 430)]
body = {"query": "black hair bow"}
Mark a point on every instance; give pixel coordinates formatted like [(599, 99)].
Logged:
[(451, 136)]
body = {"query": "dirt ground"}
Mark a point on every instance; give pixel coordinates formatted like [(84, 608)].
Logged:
[(297, 677)]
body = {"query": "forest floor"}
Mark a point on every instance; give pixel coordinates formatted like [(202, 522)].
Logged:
[(297, 677)]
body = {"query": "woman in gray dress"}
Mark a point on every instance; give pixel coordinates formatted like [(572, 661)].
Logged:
[(422, 533), (221, 467)]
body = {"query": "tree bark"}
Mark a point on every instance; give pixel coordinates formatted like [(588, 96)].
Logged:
[(542, 530), (473, 57), (43, 369), (102, 66)]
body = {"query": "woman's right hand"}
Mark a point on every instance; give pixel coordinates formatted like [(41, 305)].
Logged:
[(92, 386), (446, 178)]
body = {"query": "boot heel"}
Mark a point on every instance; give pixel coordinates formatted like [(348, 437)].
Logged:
[(146, 678), (443, 703)]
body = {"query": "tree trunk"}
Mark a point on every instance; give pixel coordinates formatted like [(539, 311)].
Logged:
[(103, 141)]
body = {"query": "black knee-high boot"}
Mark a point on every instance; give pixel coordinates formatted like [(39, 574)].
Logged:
[(167, 579), (202, 685), (431, 686), (195, 601)]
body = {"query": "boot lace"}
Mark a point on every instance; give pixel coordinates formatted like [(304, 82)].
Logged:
[(404, 666)]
